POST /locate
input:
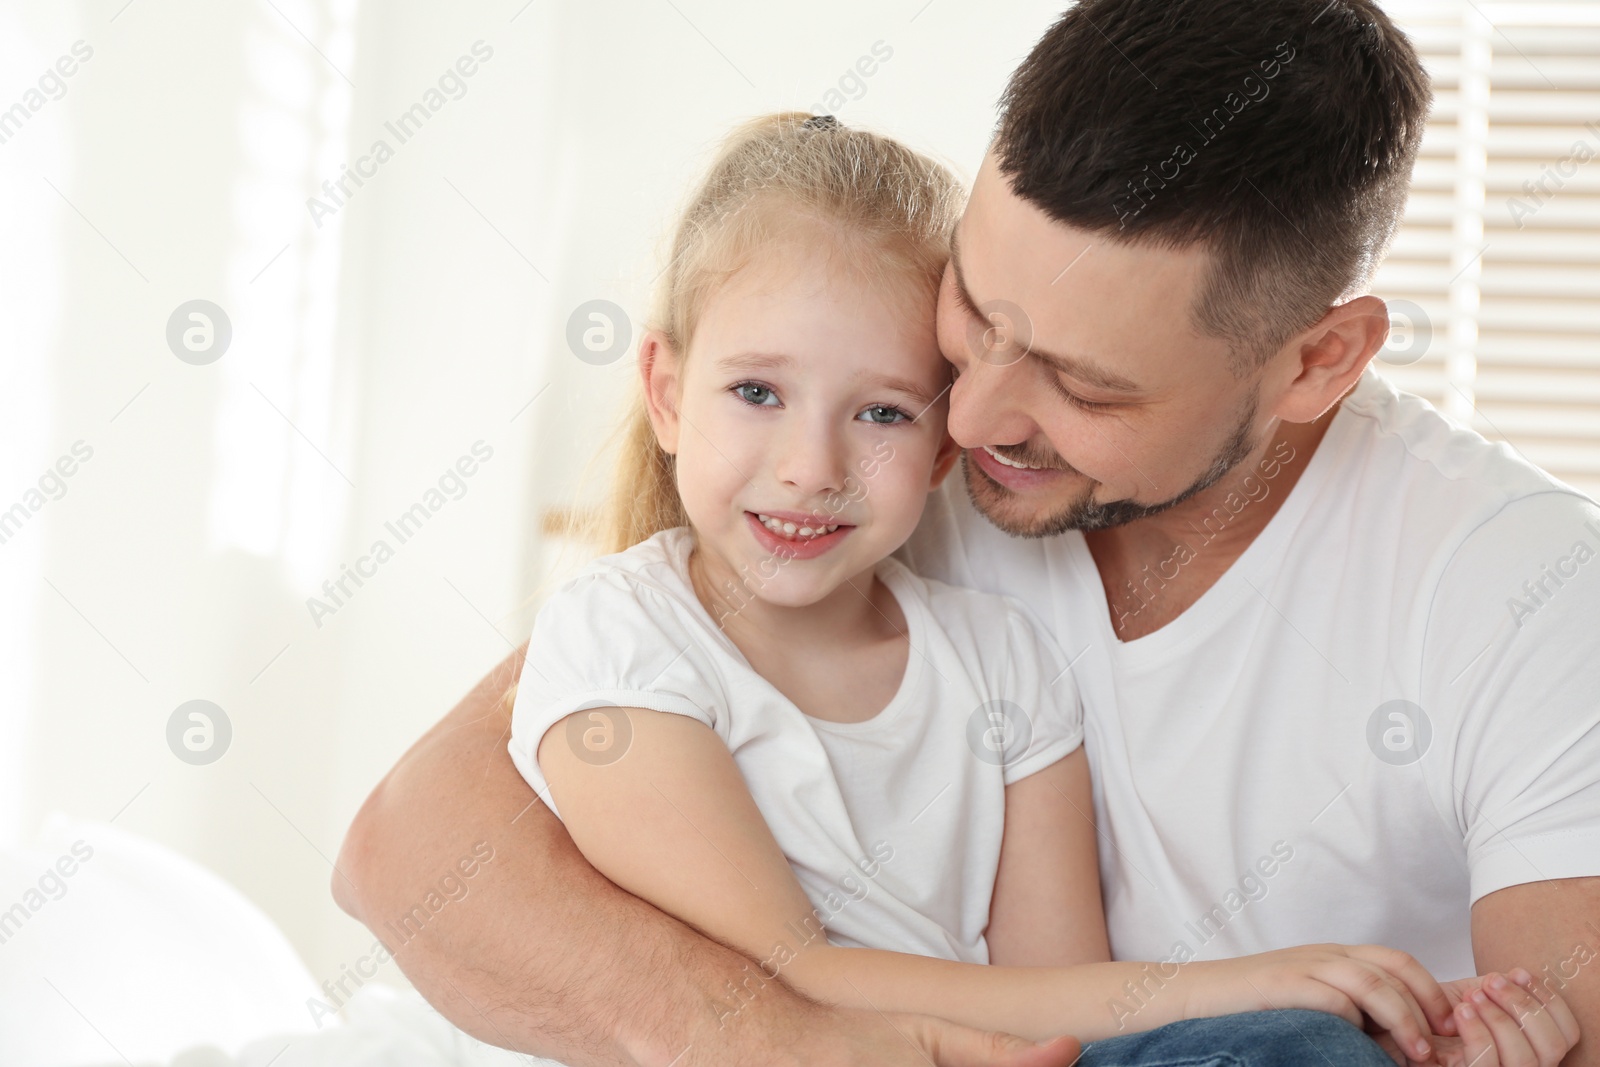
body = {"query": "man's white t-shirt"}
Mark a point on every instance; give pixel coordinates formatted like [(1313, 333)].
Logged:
[(1387, 708), (892, 825)]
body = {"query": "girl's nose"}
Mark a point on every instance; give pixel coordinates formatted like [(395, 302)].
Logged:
[(812, 459)]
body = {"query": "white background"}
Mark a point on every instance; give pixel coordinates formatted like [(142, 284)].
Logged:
[(367, 356)]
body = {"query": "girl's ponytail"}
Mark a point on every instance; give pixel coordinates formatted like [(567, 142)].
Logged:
[(644, 490)]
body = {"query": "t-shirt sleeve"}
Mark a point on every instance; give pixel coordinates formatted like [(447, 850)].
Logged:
[(1512, 663), (603, 643), (1038, 716)]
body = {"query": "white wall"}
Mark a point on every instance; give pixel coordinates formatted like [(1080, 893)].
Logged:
[(367, 355)]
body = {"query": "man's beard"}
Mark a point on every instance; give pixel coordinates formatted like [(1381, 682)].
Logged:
[(1084, 513)]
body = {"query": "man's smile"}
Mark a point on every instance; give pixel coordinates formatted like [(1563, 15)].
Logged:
[(1012, 475)]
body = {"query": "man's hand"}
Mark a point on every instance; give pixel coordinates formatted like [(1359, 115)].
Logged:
[(798, 1032), (898, 1039)]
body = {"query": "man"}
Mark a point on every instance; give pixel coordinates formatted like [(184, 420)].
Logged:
[(1338, 658)]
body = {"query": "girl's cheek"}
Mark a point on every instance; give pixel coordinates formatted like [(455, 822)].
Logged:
[(902, 485)]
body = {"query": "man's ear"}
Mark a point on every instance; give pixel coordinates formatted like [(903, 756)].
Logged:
[(660, 371), (946, 458), (1330, 355)]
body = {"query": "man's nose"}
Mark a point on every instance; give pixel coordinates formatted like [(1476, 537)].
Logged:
[(986, 405)]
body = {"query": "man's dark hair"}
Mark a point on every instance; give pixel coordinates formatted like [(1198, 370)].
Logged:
[(1278, 133)]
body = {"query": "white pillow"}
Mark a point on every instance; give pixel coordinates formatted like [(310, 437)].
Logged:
[(383, 1028), (113, 947)]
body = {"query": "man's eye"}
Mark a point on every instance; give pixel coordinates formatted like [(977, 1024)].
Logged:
[(755, 393), (883, 415), (1077, 401), (963, 303)]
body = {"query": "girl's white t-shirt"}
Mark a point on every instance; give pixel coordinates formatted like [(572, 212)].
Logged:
[(892, 825)]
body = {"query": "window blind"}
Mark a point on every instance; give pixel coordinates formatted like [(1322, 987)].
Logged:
[(1494, 277)]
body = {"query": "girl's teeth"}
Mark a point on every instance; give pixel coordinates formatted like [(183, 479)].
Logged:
[(793, 531)]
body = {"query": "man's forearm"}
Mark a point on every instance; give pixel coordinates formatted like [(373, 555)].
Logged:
[(1552, 930), (542, 954)]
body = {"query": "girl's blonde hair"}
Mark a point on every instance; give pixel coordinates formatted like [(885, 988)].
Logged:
[(893, 206)]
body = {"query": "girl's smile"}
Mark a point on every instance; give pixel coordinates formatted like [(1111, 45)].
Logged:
[(793, 535)]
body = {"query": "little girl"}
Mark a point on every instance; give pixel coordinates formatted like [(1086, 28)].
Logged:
[(754, 717)]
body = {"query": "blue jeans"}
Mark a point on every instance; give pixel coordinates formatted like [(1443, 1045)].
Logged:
[(1254, 1039)]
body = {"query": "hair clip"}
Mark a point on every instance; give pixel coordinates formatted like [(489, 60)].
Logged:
[(821, 122)]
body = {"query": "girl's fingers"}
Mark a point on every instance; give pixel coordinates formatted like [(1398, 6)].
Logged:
[(1511, 1044), (1422, 1045), (1383, 997), (1321, 995), (1538, 1025), (1425, 989), (1553, 1002), (1477, 1043), (1392, 1050), (1452, 995)]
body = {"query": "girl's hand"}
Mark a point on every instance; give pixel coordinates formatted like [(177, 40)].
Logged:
[(1386, 985), (1516, 1023)]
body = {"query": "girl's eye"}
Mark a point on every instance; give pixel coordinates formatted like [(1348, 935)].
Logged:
[(883, 415), (756, 394)]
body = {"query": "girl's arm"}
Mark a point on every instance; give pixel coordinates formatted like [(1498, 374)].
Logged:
[(672, 821), (1046, 909)]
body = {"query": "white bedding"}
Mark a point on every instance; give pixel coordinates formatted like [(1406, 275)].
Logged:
[(382, 1028), (115, 950)]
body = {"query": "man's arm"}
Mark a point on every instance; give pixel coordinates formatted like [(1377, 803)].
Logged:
[(1519, 770), (1552, 930), (545, 956)]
